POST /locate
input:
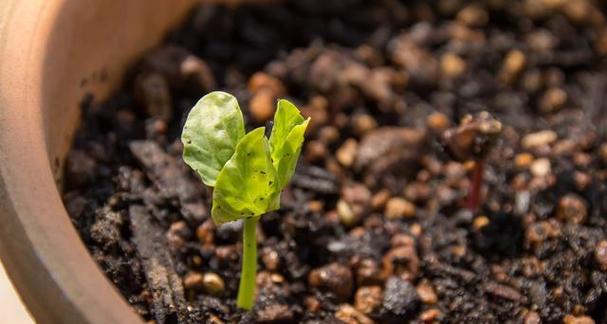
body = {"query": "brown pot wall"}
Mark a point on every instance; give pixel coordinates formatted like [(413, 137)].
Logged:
[(47, 49)]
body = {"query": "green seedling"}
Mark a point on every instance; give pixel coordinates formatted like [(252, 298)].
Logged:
[(248, 171)]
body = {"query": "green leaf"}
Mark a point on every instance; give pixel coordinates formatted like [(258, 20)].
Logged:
[(210, 134), (286, 140), (246, 186)]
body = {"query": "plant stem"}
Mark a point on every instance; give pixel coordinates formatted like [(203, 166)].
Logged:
[(246, 291), (474, 197)]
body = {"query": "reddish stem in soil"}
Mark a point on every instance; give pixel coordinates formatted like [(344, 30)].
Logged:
[(474, 197)]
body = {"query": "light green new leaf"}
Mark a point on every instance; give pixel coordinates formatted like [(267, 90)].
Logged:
[(246, 186), (286, 140), (210, 134)]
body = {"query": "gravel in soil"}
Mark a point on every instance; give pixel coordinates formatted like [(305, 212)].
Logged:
[(373, 228)]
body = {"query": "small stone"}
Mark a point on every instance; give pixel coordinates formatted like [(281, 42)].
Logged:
[(523, 160), (346, 215), (437, 122), (379, 200), (312, 304), (270, 258), (193, 280), (514, 63), (206, 232), (400, 297), (600, 255), (261, 80), (213, 284), (532, 318), (541, 138), (426, 293), (363, 123), (570, 319), (346, 154), (177, 234), (537, 233), (397, 208), (430, 316), (368, 273), (540, 167), (473, 16), (480, 222), (572, 209), (275, 313), (335, 278), (553, 100), (349, 315), (452, 66), (368, 299), (262, 105)]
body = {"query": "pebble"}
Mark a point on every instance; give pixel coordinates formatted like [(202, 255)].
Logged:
[(570, 319), (400, 297), (514, 63), (193, 280), (312, 304), (473, 16), (426, 293), (262, 105), (538, 232), (430, 316), (261, 80), (553, 100), (205, 232), (437, 122), (379, 199), (368, 273), (523, 160), (213, 284), (532, 317), (600, 255), (480, 222), (397, 208), (363, 123), (368, 299), (572, 209), (177, 234), (541, 138), (335, 278), (349, 315), (346, 215), (275, 313), (541, 167), (452, 66), (603, 153), (270, 258), (346, 154)]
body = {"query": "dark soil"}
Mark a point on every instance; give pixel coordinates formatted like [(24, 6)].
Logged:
[(373, 227)]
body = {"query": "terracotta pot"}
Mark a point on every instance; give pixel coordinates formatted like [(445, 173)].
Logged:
[(52, 53)]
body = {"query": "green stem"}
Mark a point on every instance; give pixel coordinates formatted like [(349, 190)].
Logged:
[(246, 291)]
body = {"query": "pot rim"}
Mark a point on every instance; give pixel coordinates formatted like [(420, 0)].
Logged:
[(40, 70)]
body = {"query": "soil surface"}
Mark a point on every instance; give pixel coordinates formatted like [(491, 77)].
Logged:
[(374, 226)]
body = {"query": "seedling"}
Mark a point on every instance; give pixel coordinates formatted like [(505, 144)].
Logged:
[(248, 171), (472, 140)]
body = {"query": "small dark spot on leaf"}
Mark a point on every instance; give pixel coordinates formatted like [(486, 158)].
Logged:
[(262, 172)]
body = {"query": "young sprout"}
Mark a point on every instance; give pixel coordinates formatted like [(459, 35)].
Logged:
[(248, 171), (472, 140)]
